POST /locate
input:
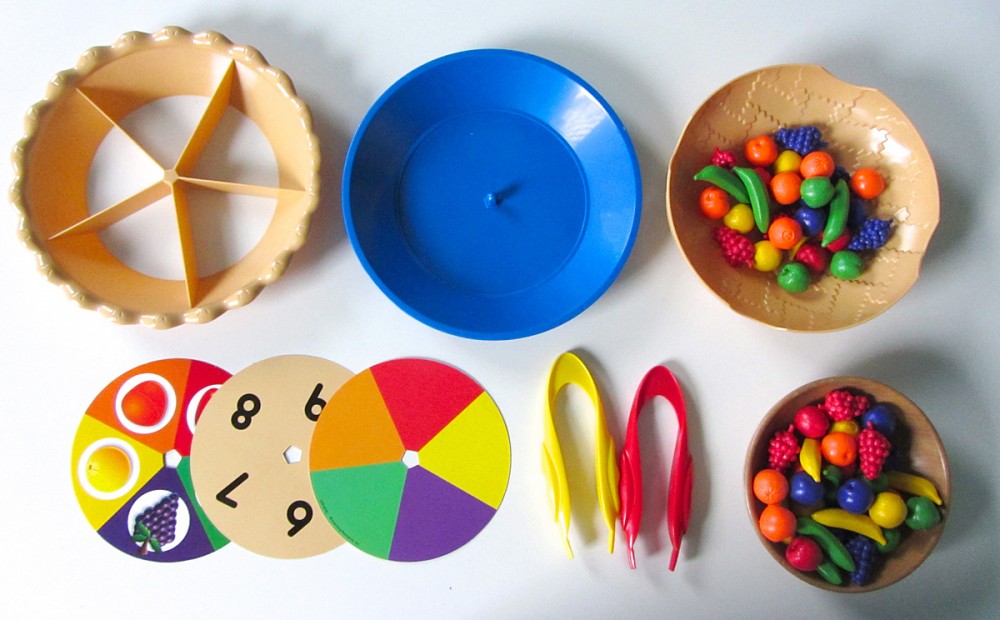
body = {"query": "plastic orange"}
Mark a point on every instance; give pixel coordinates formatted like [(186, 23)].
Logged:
[(785, 187), (714, 202), (784, 233), (770, 486), (776, 523), (867, 183), (761, 151), (839, 448), (816, 164)]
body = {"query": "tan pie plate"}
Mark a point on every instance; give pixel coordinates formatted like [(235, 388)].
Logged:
[(64, 131), (862, 128)]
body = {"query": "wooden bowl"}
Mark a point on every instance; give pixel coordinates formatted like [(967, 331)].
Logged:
[(862, 128), (917, 442), (83, 105)]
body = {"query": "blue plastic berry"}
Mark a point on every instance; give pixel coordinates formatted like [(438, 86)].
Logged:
[(840, 173), (872, 235), (811, 220), (857, 213), (865, 552), (802, 140)]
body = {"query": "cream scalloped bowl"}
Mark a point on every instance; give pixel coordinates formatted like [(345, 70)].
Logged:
[(82, 105), (922, 451), (863, 128)]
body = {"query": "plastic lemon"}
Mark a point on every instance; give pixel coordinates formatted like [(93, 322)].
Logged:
[(888, 510)]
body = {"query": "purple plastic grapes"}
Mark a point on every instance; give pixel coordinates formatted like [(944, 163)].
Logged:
[(865, 552), (872, 235), (802, 140)]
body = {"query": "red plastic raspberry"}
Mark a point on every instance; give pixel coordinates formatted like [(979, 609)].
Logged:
[(841, 405), (723, 158), (736, 249), (783, 449), (873, 450)]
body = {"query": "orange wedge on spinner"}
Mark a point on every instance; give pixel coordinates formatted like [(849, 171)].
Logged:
[(343, 439)]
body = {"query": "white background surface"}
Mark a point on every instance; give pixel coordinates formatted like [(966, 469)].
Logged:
[(655, 62)]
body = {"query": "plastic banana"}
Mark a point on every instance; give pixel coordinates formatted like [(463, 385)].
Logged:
[(841, 519), (914, 485), (811, 458)]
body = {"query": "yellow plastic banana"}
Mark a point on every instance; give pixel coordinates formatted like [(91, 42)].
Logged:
[(569, 369), (811, 458), (914, 485), (859, 524)]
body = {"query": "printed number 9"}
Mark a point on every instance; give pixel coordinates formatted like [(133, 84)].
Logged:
[(299, 522)]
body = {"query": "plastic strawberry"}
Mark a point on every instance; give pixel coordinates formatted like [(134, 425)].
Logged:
[(873, 450), (783, 449), (841, 405)]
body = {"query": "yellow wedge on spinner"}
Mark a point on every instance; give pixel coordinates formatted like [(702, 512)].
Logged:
[(569, 369)]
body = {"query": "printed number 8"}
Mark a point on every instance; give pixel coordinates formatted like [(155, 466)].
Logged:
[(246, 408)]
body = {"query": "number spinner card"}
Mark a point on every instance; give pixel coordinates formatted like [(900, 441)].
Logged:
[(250, 456)]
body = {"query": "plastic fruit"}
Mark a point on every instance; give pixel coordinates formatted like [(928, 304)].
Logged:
[(785, 187), (761, 151), (839, 448), (802, 489), (816, 191), (770, 486), (882, 418), (766, 257), (784, 233), (739, 218), (776, 523), (846, 265), (888, 510), (855, 496), (867, 183), (794, 277), (787, 161), (803, 553), (811, 220), (811, 421), (714, 202), (816, 164), (922, 513)]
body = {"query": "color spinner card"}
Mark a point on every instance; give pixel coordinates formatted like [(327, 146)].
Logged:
[(131, 466), (410, 460), (250, 458)]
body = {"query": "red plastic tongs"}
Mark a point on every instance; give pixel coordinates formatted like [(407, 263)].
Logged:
[(659, 381)]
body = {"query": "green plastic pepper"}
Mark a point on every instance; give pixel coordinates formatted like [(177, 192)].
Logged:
[(922, 514)]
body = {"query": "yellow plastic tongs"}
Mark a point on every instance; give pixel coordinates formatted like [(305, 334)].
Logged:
[(569, 369)]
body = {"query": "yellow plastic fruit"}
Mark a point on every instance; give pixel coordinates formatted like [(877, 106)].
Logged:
[(766, 257), (788, 161), (888, 510), (845, 426), (739, 218)]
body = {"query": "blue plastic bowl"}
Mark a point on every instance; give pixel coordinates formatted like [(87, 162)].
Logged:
[(492, 194)]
